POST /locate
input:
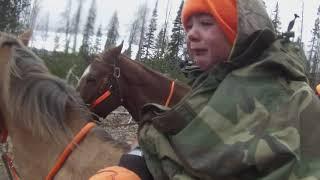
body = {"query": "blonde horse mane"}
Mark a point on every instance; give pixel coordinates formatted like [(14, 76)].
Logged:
[(32, 96)]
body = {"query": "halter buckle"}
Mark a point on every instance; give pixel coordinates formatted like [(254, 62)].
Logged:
[(116, 72)]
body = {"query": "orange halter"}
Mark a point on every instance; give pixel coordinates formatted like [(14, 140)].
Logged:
[(107, 94), (103, 97), (170, 93), (69, 148)]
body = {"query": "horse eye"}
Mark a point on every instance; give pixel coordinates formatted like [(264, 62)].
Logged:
[(91, 80)]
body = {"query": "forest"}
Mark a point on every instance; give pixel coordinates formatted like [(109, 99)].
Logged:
[(154, 44)]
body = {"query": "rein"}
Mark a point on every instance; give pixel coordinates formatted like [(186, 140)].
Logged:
[(69, 148), (7, 160)]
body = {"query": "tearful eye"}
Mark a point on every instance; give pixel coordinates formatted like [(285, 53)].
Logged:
[(188, 27), (207, 23)]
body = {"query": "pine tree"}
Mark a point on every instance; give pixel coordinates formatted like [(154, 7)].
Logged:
[(276, 19), (12, 14), (76, 25), (66, 25), (175, 45), (56, 42), (160, 43), (97, 45), (164, 42), (45, 27), (33, 15), (133, 37), (85, 49), (113, 31), (148, 45), (314, 52), (142, 16)]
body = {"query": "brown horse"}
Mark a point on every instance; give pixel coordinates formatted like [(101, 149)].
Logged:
[(42, 114), (126, 82)]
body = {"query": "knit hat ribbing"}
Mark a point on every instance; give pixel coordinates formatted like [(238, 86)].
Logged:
[(223, 11)]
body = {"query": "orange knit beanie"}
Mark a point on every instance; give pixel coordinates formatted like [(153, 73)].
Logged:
[(115, 173), (223, 11)]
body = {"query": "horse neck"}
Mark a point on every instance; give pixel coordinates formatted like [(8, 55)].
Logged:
[(142, 85), (35, 155), (92, 155)]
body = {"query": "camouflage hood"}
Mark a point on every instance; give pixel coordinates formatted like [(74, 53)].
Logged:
[(252, 17), (252, 117)]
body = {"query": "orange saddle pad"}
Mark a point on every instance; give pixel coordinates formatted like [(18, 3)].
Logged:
[(115, 173)]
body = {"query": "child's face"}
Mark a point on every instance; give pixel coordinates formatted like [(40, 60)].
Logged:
[(206, 42)]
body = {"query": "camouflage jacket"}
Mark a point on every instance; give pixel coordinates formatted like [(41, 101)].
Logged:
[(252, 117)]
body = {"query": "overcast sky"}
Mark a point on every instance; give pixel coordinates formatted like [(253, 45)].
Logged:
[(126, 10)]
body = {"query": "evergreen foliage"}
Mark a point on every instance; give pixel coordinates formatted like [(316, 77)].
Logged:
[(175, 46), (86, 47), (76, 25), (113, 32), (97, 45), (12, 14), (276, 19), (148, 45)]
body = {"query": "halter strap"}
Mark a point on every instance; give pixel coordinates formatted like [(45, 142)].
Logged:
[(170, 94), (8, 162), (103, 97), (69, 148)]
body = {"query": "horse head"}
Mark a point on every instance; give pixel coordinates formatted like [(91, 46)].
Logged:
[(42, 114), (7, 44), (99, 86), (113, 79)]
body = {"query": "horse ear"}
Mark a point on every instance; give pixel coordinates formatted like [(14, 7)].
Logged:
[(113, 52), (118, 49), (6, 43), (26, 36)]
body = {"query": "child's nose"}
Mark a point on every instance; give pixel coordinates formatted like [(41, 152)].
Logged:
[(193, 34)]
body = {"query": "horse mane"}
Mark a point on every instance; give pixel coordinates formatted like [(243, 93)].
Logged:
[(36, 99)]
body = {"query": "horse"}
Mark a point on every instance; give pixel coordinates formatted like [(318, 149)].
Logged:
[(47, 120), (112, 80)]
